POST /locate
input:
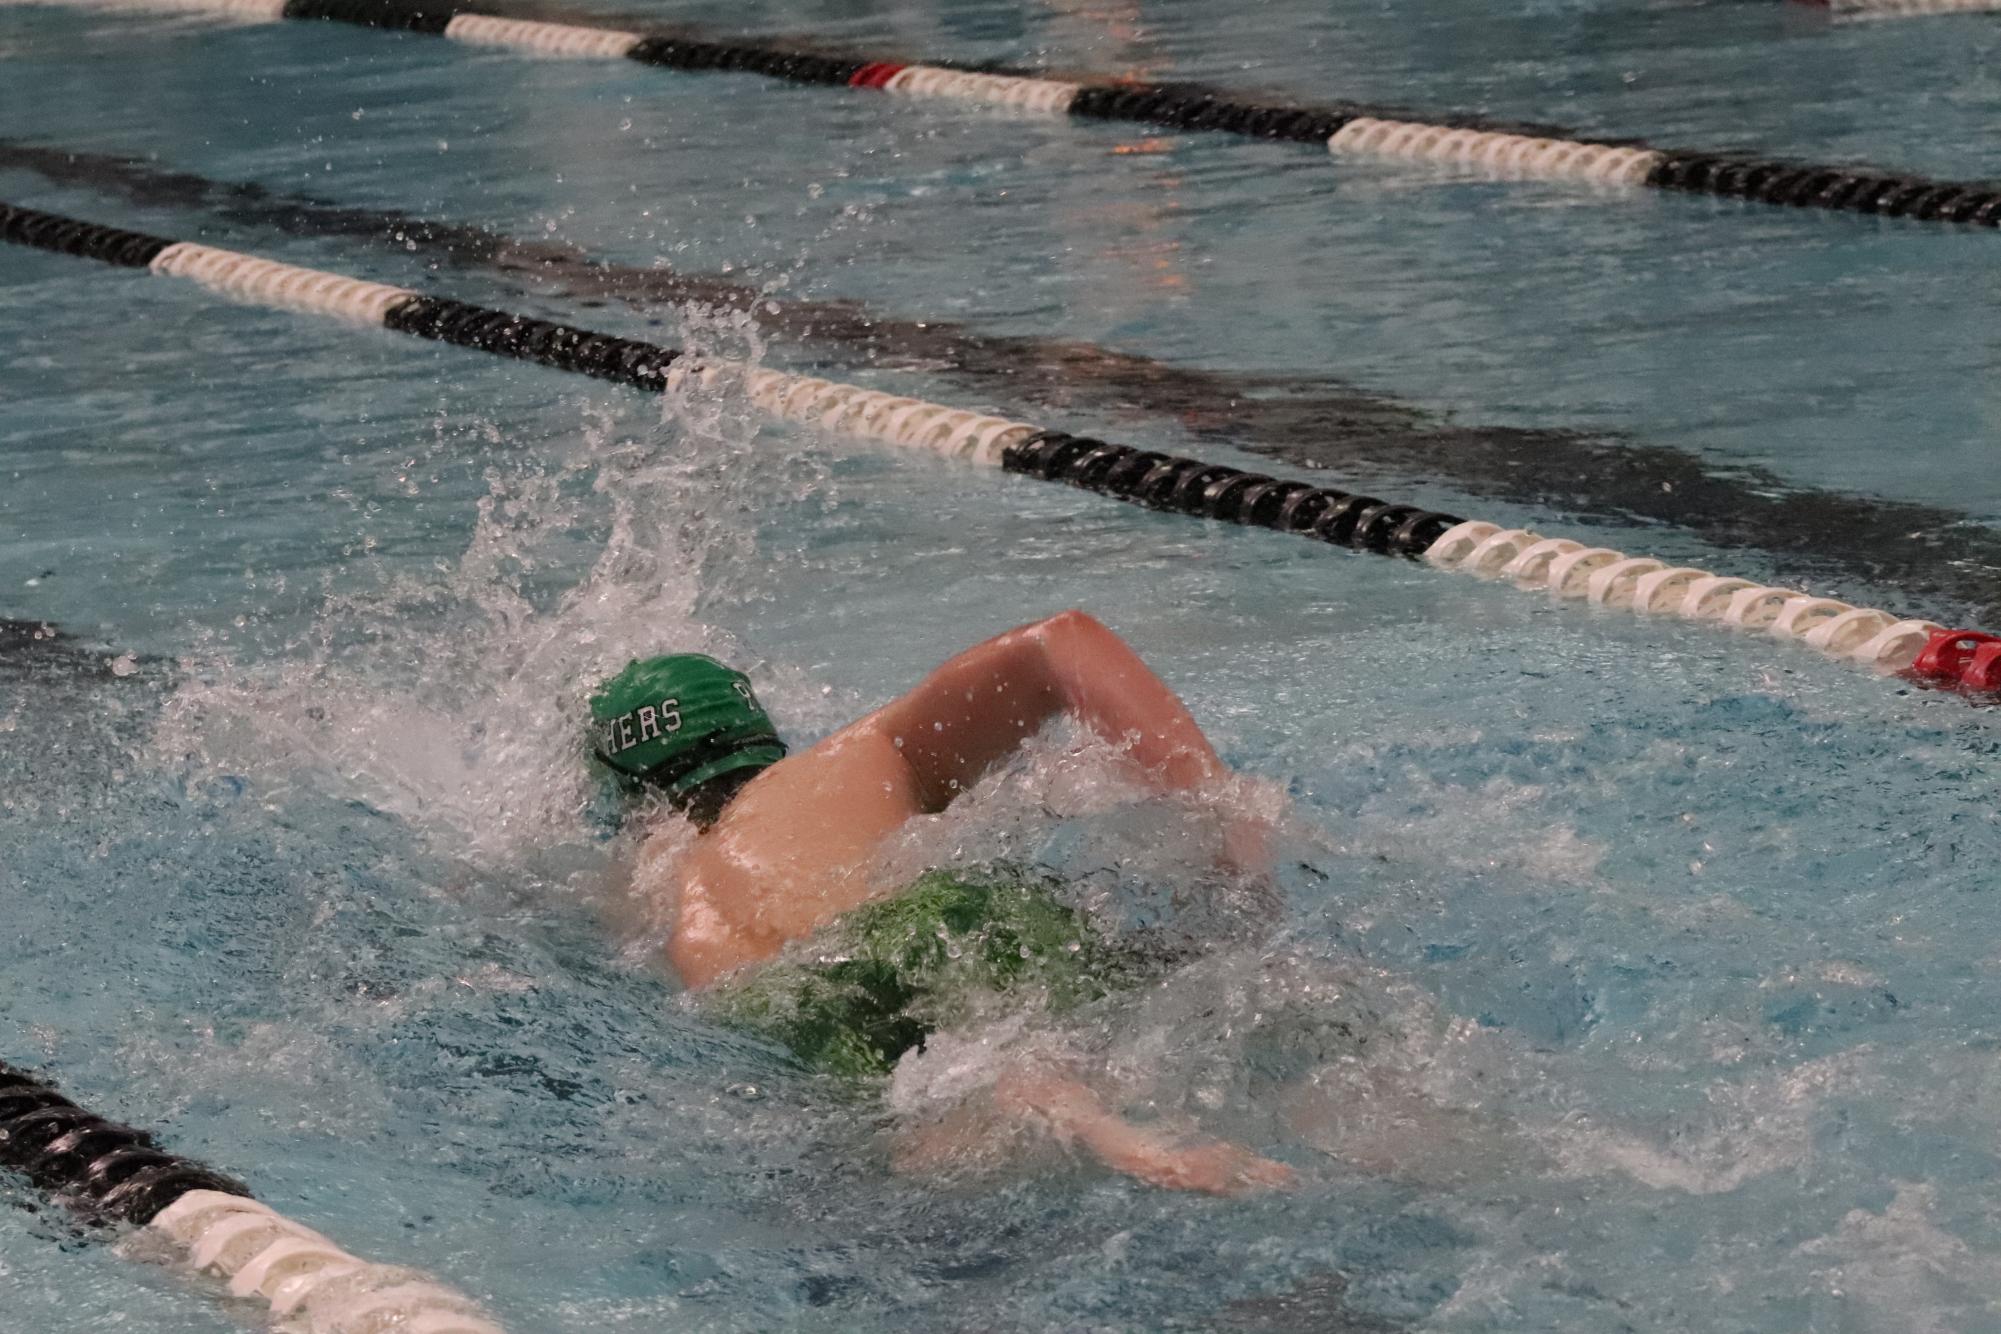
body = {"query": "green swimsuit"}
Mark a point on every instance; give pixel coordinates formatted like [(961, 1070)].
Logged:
[(879, 980)]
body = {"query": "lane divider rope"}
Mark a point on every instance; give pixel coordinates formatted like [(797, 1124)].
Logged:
[(1514, 155), (1566, 569), (1900, 9), (267, 283), (1648, 587), (544, 39), (110, 1173), (244, 11), (1273, 414), (1051, 96), (1344, 129), (846, 409)]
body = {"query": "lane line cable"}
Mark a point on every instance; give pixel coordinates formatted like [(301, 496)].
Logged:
[(1566, 570), (1926, 549), (1345, 129), (1858, 10), (108, 1174)]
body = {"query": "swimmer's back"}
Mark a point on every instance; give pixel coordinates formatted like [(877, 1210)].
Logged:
[(790, 853)]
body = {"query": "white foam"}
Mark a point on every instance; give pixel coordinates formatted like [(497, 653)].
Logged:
[(454, 702)]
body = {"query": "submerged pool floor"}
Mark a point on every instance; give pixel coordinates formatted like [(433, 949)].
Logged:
[(1686, 939)]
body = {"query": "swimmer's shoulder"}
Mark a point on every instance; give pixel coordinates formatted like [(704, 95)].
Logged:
[(790, 853), (859, 771)]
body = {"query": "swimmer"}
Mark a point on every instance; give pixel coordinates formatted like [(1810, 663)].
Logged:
[(785, 848)]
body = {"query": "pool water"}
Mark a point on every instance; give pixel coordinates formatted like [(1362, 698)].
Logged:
[(1679, 947)]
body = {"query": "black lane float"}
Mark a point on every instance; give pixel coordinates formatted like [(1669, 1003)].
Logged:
[(105, 1171), (108, 1173)]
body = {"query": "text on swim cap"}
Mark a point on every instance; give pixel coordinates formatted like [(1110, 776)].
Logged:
[(651, 721), (643, 724)]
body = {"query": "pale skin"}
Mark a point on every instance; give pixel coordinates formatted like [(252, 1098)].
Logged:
[(794, 849)]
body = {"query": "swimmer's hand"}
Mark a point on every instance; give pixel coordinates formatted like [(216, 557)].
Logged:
[(1073, 1112), (1252, 809), (1215, 1166), (1247, 846)]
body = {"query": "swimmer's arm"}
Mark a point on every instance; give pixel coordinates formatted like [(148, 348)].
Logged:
[(977, 709), (1070, 1110)]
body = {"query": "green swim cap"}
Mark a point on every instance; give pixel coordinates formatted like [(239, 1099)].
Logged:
[(677, 721)]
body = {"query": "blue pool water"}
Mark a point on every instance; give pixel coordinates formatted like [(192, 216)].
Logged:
[(1688, 939)]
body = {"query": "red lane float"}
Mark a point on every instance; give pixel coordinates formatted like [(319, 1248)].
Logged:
[(1968, 658), (876, 75)]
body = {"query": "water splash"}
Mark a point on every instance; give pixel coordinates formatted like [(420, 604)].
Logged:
[(450, 698), (1902, 1271)]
